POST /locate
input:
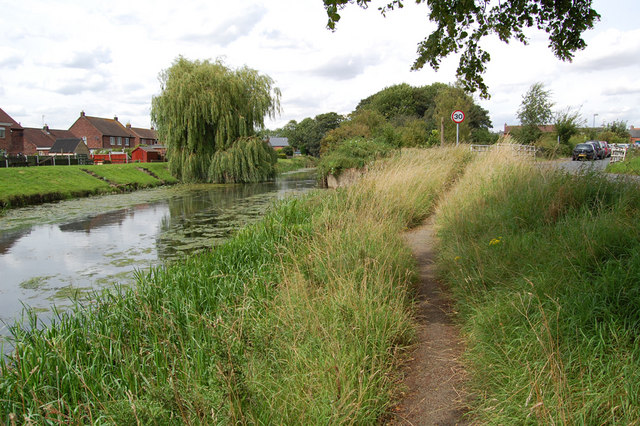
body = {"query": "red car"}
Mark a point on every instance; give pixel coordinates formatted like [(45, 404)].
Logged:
[(606, 149)]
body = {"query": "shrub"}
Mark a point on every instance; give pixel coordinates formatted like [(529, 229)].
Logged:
[(354, 153)]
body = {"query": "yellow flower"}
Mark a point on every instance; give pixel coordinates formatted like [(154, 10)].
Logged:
[(457, 258), (495, 241)]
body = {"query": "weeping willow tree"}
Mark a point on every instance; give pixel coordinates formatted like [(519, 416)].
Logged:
[(204, 109), (247, 160)]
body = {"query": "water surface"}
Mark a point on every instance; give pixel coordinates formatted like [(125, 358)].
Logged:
[(52, 253)]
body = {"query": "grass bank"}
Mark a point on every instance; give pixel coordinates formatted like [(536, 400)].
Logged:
[(298, 319), (294, 163), (544, 267), (631, 165), (21, 186)]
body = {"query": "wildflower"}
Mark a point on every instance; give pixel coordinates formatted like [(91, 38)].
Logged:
[(495, 241), (457, 258)]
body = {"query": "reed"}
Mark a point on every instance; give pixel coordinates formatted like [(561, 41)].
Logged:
[(300, 318), (544, 266)]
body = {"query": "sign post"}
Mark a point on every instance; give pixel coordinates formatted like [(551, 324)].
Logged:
[(457, 117)]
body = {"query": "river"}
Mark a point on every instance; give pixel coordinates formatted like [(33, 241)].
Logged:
[(53, 253)]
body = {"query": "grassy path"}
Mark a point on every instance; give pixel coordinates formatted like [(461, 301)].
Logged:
[(434, 374)]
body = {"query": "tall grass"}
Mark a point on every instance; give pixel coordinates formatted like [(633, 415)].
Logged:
[(545, 270), (299, 319)]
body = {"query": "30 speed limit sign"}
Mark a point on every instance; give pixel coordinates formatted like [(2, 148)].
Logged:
[(457, 116)]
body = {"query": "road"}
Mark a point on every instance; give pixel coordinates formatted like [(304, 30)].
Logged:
[(582, 166)]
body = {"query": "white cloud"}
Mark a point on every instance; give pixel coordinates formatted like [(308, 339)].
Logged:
[(105, 57)]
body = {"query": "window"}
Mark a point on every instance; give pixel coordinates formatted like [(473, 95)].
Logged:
[(112, 139), (1, 132), (84, 139), (126, 141), (119, 140)]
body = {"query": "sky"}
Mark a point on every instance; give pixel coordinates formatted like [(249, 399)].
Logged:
[(104, 58)]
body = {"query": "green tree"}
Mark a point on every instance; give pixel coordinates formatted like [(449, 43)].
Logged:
[(449, 99), (462, 24), (402, 100), (204, 108), (614, 132), (535, 111), (567, 123)]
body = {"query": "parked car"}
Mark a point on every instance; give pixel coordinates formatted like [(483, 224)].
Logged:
[(584, 151), (599, 149), (607, 149)]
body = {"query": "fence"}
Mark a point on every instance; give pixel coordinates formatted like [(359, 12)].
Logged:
[(528, 150), (618, 154), (44, 160)]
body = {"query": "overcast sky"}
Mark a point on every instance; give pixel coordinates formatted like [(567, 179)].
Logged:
[(60, 58)]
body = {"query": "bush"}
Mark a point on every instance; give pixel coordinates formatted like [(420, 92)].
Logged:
[(353, 153)]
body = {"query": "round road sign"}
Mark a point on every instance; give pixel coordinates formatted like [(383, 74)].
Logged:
[(457, 116)]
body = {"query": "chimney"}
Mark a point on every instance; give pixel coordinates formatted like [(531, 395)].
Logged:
[(128, 125), (115, 118), (81, 113), (46, 128)]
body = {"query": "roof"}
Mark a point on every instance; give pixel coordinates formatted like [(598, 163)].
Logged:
[(278, 142), (38, 137), (148, 148), (62, 134), (109, 126), (65, 145), (6, 119), (144, 133), (634, 132)]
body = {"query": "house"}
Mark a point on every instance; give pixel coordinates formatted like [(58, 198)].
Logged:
[(147, 154), (278, 143), (39, 141), (102, 133), (11, 135), (70, 146), (547, 128), (144, 136), (634, 135)]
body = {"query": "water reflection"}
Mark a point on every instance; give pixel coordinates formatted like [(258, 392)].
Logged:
[(45, 264)]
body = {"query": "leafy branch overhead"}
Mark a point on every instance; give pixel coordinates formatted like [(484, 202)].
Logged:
[(462, 24)]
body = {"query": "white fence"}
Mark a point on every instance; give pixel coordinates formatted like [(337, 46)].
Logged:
[(618, 154), (528, 150)]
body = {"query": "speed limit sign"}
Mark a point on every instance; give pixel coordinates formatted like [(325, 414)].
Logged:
[(457, 116)]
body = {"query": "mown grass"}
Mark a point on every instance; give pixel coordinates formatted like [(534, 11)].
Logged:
[(123, 174), (298, 319), (631, 165), (545, 269), (27, 185), (294, 163), (32, 185)]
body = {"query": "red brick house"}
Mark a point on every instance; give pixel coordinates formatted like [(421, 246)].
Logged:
[(102, 133), (634, 135), (547, 128), (40, 141), (11, 134), (144, 136)]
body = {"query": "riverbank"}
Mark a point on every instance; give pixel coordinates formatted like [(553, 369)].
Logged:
[(544, 268), (301, 318), (306, 316), (21, 186)]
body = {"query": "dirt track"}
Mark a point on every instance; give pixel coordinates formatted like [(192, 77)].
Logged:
[(434, 376)]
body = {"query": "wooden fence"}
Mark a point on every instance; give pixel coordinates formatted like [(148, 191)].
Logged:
[(618, 154), (44, 160), (528, 150)]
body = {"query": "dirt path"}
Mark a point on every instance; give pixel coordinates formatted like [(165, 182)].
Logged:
[(434, 377)]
